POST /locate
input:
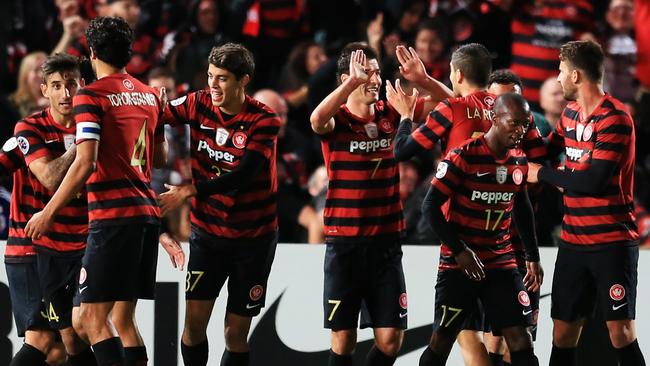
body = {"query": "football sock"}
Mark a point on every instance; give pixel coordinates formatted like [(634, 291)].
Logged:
[(109, 352), (84, 358), (496, 359), (28, 355), (234, 358), (562, 356), (631, 355), (135, 356), (339, 360), (524, 357), (430, 358), (195, 355), (376, 357)]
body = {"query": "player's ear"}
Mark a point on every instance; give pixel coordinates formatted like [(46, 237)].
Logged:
[(44, 90), (344, 77), (245, 80), (82, 82), (460, 76), (92, 53)]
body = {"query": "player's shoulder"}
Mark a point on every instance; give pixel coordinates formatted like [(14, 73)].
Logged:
[(35, 118), (613, 110), (259, 111)]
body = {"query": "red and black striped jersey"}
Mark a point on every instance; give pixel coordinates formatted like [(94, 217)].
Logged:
[(482, 190), (456, 120), (606, 134), (217, 145), (122, 114), (40, 136), (363, 200), (19, 247), (538, 31)]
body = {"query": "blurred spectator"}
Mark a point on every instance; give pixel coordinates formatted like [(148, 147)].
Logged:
[(318, 190), (145, 47), (620, 51), (551, 99), (643, 223), (72, 24), (188, 48), (296, 216), (642, 121), (412, 191), (539, 28), (431, 44), (28, 97)]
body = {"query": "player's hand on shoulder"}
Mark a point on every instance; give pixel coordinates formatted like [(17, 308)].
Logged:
[(470, 263), (534, 276), (174, 250), (38, 225), (404, 104)]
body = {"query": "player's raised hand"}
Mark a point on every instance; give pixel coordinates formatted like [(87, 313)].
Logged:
[(174, 197), (38, 225), (174, 249), (534, 276), (469, 262), (403, 103), (358, 74), (375, 30), (162, 98), (411, 66)]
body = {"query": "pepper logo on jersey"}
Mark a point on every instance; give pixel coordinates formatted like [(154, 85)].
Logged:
[(371, 130), (617, 292), (239, 139), (369, 146), (523, 298), (386, 126), (403, 300), (501, 174), (23, 144), (517, 176), (215, 154), (256, 292), (492, 197), (575, 154), (222, 136), (128, 84)]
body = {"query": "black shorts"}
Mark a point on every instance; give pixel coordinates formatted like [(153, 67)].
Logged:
[(119, 263), (58, 276), (366, 278), (583, 278), (501, 292), (246, 263), (26, 297)]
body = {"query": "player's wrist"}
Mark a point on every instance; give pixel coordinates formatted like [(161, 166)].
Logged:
[(189, 191)]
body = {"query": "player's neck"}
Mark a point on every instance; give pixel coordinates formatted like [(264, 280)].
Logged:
[(362, 110), (469, 89), (589, 98), (235, 106), (65, 121), (102, 69), (493, 144)]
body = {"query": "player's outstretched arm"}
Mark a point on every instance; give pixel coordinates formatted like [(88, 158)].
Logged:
[(74, 180), (322, 121), (412, 68), (589, 181), (524, 219)]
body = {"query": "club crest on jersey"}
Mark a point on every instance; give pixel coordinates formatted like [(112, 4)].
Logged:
[(10, 144), (239, 139), (23, 144), (256, 292), (68, 141), (617, 292), (517, 176), (586, 134), (501, 174), (489, 100), (386, 126), (128, 84), (523, 298), (371, 130), (441, 171), (222, 136)]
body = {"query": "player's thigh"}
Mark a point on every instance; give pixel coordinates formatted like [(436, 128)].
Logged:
[(505, 300), (148, 262), (343, 285), (573, 291), (615, 270), (58, 276), (26, 297), (250, 267), (207, 268), (455, 299), (385, 303)]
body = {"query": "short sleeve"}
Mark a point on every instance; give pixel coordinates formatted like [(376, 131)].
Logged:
[(88, 113)]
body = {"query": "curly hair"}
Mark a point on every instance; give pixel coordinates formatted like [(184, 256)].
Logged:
[(110, 39)]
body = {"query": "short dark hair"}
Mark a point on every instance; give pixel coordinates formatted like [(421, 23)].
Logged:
[(511, 101), (343, 63), (59, 62), (438, 26), (111, 39), (586, 56), (504, 77), (475, 61), (233, 57), (160, 72)]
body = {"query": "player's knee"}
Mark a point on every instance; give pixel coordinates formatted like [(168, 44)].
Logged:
[(344, 341), (40, 339), (566, 336), (390, 344), (57, 355), (236, 338), (442, 342), (123, 323), (621, 333), (518, 338)]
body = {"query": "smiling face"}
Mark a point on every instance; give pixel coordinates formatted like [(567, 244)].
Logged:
[(511, 125), (368, 93), (225, 90), (59, 89)]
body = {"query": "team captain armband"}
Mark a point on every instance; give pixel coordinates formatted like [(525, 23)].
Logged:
[(88, 131)]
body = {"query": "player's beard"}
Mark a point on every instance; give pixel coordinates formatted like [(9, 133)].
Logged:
[(570, 92)]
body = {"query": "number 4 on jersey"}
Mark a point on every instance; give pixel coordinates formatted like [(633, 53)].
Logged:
[(140, 148)]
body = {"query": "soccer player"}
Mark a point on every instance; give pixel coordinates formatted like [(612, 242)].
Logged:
[(484, 181), (46, 140), (116, 118), (598, 252), (363, 213), (233, 142)]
